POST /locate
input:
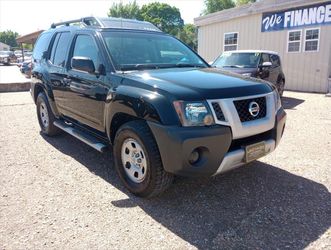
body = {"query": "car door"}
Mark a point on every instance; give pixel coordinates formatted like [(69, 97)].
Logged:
[(86, 92), (56, 67)]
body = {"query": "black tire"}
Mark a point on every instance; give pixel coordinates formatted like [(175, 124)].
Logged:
[(156, 180), (49, 128), (280, 87)]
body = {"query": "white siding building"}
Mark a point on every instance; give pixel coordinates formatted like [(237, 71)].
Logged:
[(4, 46), (299, 30)]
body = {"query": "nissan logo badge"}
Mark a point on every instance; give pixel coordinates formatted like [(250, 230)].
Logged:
[(254, 109)]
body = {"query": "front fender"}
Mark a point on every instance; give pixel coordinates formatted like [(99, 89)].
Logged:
[(139, 103)]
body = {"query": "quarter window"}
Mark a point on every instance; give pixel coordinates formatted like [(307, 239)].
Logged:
[(294, 41), (41, 45), (60, 47), (312, 39), (230, 41), (275, 60)]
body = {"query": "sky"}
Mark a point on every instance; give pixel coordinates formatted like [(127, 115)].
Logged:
[(26, 16)]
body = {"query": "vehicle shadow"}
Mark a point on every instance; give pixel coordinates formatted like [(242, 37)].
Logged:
[(258, 207), (290, 102)]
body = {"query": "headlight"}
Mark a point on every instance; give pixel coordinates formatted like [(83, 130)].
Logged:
[(193, 113), (247, 74), (278, 102)]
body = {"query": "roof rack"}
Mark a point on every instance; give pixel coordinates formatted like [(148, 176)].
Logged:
[(110, 22), (85, 21)]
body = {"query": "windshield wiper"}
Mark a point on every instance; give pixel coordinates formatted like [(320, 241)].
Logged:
[(129, 67), (232, 66), (138, 67), (189, 65)]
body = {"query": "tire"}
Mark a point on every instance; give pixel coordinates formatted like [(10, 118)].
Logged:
[(280, 87), (149, 178), (46, 117)]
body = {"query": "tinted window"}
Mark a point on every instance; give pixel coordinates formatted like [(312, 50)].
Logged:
[(265, 58), (41, 45), (56, 40), (59, 49), (86, 47), (132, 49), (275, 60)]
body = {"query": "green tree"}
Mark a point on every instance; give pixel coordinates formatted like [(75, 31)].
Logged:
[(9, 37), (164, 16), (217, 5), (242, 2), (130, 10), (189, 36)]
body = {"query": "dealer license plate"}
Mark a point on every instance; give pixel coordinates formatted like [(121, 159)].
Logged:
[(254, 151)]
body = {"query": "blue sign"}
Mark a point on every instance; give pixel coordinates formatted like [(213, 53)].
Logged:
[(317, 14)]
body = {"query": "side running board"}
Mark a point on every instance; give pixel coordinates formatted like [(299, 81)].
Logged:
[(82, 136)]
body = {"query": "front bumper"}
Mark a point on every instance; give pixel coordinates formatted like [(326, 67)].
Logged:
[(218, 151)]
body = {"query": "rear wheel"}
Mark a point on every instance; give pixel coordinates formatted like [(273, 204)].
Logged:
[(138, 161), (46, 117)]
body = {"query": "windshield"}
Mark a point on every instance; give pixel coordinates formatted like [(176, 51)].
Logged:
[(137, 51), (238, 60), (5, 53)]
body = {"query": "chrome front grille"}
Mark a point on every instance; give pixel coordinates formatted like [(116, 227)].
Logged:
[(233, 112)]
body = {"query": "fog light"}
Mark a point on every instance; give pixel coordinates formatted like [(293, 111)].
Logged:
[(194, 157), (208, 120)]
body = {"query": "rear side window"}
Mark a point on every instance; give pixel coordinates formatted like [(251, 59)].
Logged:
[(275, 60), (41, 45), (59, 49)]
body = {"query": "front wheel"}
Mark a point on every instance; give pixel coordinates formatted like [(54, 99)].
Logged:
[(138, 161), (46, 117)]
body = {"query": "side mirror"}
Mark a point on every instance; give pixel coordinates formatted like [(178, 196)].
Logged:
[(83, 64), (101, 70), (45, 55), (266, 64)]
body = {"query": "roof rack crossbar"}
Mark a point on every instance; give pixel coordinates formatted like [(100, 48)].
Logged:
[(86, 21)]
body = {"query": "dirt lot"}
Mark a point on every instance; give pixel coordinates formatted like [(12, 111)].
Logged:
[(59, 193)]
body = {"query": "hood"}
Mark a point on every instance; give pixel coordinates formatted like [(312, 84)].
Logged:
[(197, 84), (4, 56)]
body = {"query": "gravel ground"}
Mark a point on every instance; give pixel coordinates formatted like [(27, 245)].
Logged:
[(59, 193)]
